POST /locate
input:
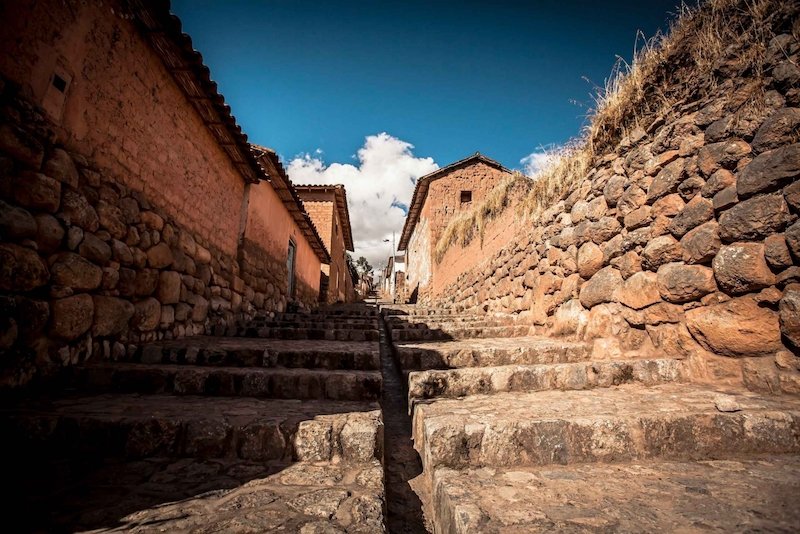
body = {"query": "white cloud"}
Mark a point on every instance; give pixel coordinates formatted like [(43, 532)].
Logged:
[(536, 161), (378, 188)]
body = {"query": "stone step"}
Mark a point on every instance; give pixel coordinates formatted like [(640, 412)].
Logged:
[(337, 325), (195, 495), (625, 423), (275, 383), (412, 310), (450, 333), (453, 383), (757, 494), (140, 426), (477, 321), (488, 352), (312, 333), (250, 352)]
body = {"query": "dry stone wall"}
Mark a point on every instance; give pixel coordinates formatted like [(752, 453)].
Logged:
[(684, 238), (90, 267)]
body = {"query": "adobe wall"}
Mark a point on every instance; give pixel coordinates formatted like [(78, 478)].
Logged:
[(683, 239), (119, 219), (442, 204), (498, 233), (108, 114), (265, 247)]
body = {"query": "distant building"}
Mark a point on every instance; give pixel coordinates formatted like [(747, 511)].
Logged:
[(393, 276), (438, 198), (327, 206)]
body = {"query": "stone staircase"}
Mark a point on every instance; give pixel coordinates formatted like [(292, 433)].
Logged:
[(521, 433), (277, 427)]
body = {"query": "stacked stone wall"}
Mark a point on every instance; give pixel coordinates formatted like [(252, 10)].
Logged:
[(683, 238)]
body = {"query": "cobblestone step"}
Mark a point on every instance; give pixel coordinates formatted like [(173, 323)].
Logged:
[(337, 325), (759, 494), (192, 495), (453, 383), (276, 383), (488, 352), (249, 352), (673, 421), (454, 333), (463, 323), (140, 426), (314, 333)]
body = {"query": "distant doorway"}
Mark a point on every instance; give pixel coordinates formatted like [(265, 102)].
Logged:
[(290, 259)]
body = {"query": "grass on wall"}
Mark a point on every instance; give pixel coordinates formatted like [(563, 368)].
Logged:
[(465, 227), (667, 71)]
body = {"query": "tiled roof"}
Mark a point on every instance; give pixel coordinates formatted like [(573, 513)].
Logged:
[(276, 175), (421, 191), (162, 30)]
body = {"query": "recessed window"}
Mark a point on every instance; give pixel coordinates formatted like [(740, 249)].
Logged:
[(466, 197), (59, 83)]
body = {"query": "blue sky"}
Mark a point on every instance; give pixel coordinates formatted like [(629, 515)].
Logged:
[(320, 77)]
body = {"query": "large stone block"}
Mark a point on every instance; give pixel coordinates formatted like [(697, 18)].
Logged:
[(666, 181), (21, 269), (94, 249), (61, 167), (696, 212), (640, 290), (779, 129), (76, 210), (701, 244), (776, 252), (147, 315), (601, 287), (590, 260), (169, 287), (160, 256), (35, 190), (71, 317), (111, 219), (755, 218), (738, 327), (71, 270), (742, 268), (16, 223), (725, 154), (789, 308), (679, 283), (769, 171), (49, 233), (661, 250), (111, 315)]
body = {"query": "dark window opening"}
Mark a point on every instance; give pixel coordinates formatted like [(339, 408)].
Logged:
[(59, 83), (466, 197)]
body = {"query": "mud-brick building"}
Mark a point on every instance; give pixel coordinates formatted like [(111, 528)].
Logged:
[(438, 198), (327, 206), (132, 207)]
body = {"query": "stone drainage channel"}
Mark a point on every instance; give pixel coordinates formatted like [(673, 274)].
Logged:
[(402, 464)]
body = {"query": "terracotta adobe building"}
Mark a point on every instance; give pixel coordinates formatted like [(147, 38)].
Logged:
[(133, 207), (327, 206), (438, 198)]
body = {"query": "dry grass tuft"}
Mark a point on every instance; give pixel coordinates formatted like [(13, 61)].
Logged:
[(667, 72), (469, 224)]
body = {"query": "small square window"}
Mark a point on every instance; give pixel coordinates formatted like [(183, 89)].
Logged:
[(59, 83), (466, 197)]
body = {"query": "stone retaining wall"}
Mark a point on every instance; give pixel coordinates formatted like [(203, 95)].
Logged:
[(684, 238), (90, 267)]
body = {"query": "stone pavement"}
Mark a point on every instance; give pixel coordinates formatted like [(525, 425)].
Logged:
[(269, 433), (527, 434)]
